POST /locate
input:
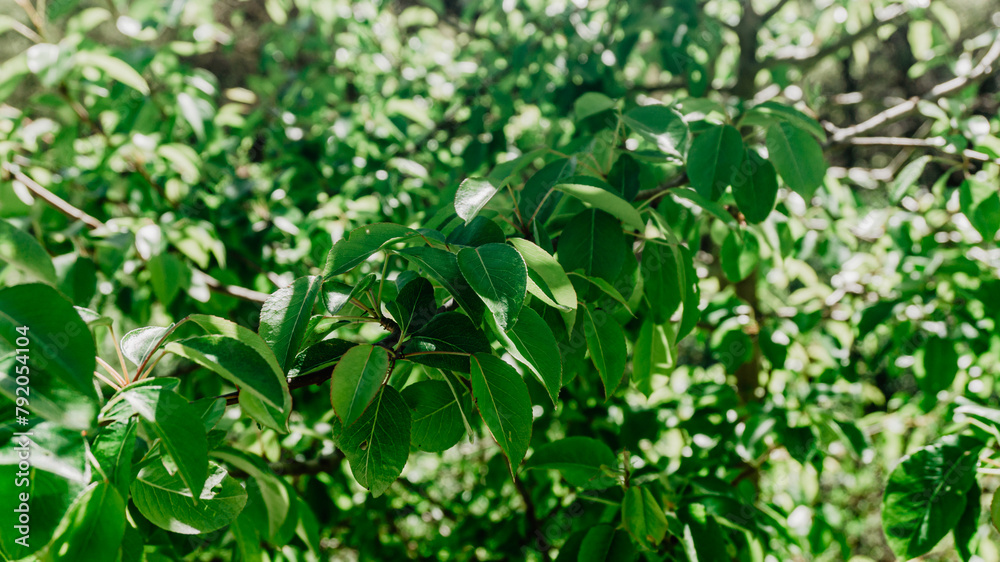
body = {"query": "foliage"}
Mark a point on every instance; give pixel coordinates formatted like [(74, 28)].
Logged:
[(489, 281)]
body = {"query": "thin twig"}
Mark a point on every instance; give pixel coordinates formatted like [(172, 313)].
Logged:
[(52, 199), (898, 111)]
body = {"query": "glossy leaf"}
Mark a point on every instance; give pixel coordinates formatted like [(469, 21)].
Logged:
[(436, 415), (926, 494), (532, 343), (472, 195), (445, 341), (443, 267), (360, 244), (285, 317), (356, 381), (378, 444), (414, 306), (168, 502), (546, 278), (93, 527), (176, 424), (662, 125), (61, 347), (594, 243), (600, 195), (755, 187), (498, 274), (797, 156), (606, 343), (236, 362), (504, 404), (643, 516), (715, 160), (581, 460), (21, 250)]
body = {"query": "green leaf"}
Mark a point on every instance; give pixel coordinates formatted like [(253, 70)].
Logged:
[(236, 362), (275, 418), (356, 381), (176, 423), (442, 266), (336, 295), (472, 195), (593, 242), (378, 444), (414, 306), (711, 207), (60, 345), (926, 494), (755, 187), (662, 125), (49, 497), (23, 251), (167, 274), (319, 356), (360, 244), (704, 539), (654, 354), (437, 423), (981, 205), (113, 450), (591, 103), (532, 343), (714, 160), (968, 524), (692, 296), (114, 68), (908, 177), (797, 156), (140, 343), (940, 365), (604, 544), (285, 317), (498, 274), (450, 333), (643, 517), (581, 460), (93, 527), (168, 503), (546, 279), (479, 231), (600, 195), (278, 500), (662, 279), (504, 404), (739, 255), (607, 288), (606, 343), (538, 198), (783, 112), (624, 177)]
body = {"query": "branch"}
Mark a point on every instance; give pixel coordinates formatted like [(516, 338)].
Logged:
[(935, 142), (56, 202), (319, 377), (982, 70), (672, 183), (806, 58), (773, 11), (61, 205), (231, 290)]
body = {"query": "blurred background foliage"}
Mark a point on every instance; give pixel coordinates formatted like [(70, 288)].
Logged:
[(228, 144)]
